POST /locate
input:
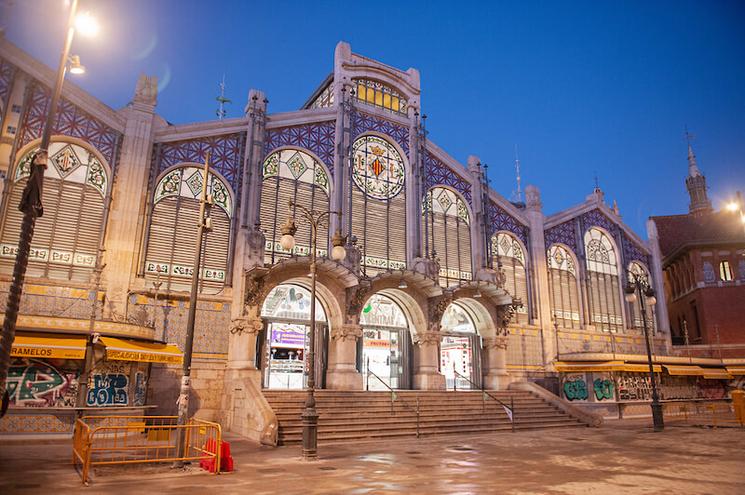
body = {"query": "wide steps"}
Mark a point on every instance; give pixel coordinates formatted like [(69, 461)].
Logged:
[(347, 416)]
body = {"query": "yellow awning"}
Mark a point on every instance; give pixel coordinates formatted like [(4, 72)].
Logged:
[(48, 345), (685, 370), (569, 366), (716, 374), (641, 368), (736, 370), (128, 350)]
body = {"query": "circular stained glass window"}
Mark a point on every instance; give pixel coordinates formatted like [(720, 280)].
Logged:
[(378, 169)]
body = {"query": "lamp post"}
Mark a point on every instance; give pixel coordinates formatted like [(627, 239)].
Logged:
[(31, 204), (638, 287), (315, 219)]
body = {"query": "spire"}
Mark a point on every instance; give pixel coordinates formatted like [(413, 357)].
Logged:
[(517, 196), (695, 182), (221, 100)]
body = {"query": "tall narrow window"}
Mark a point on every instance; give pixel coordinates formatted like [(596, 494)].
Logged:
[(640, 272), (725, 272), (169, 257), (380, 95), (378, 204), (67, 237), (564, 294), (602, 282), (446, 220), (292, 175), (511, 256)]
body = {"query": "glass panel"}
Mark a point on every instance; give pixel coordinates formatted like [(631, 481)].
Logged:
[(290, 302), (381, 310), (381, 356), (455, 319), (456, 355), (287, 347)]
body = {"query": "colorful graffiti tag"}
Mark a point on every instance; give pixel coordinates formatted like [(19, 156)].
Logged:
[(575, 388), (38, 384), (108, 389), (603, 389), (140, 389)]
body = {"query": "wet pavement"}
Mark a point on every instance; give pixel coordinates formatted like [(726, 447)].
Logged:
[(620, 457)]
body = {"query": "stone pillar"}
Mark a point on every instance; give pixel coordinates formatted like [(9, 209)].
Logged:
[(127, 214), (496, 376), (252, 178), (427, 356), (663, 320), (342, 372), (242, 342), (478, 256), (537, 245)]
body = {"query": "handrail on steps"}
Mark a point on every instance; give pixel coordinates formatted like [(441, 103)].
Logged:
[(510, 410), (394, 397)]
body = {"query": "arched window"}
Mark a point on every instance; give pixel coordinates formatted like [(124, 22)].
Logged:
[(562, 274), (169, 254), (640, 272), (459, 348), (446, 233), (378, 209), (68, 235), (385, 343), (602, 282), (292, 175), (380, 95), (510, 255)]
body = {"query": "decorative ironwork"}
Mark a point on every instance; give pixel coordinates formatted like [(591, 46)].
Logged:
[(564, 233), (559, 258), (171, 185), (499, 219), (7, 73), (226, 155), (596, 218), (317, 137), (440, 174), (296, 165), (632, 252), (70, 120), (362, 122)]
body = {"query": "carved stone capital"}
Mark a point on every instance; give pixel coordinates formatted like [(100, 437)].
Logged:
[(428, 267), (255, 290), (499, 342), (250, 326), (436, 308), (427, 338), (355, 297), (346, 332), (505, 313)]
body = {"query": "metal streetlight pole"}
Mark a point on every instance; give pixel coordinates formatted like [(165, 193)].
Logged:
[(638, 287), (315, 219), (31, 206), (203, 224)]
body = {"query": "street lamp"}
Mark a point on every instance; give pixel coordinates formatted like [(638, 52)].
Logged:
[(638, 287), (31, 204), (736, 206), (315, 219)]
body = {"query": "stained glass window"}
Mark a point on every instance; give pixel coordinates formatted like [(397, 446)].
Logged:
[(508, 252), (290, 302), (602, 281), (563, 286), (380, 95), (325, 98), (446, 234), (640, 272), (66, 238), (456, 319), (378, 168), (382, 311)]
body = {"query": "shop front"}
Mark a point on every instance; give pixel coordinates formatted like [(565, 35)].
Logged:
[(460, 349), (385, 346)]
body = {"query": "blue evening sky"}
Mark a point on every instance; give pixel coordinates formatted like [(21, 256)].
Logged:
[(581, 87)]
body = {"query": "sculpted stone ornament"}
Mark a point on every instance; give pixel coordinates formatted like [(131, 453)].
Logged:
[(427, 267), (499, 342), (505, 313), (437, 306), (346, 332), (255, 287), (427, 338), (355, 298), (146, 90), (250, 326), (354, 256)]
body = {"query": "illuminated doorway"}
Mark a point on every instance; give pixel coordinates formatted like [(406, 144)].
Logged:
[(459, 349)]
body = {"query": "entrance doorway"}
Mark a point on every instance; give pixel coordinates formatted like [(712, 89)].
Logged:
[(286, 311), (384, 344), (459, 349)]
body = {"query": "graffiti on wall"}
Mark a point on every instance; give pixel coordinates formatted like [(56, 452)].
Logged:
[(34, 383), (140, 389), (108, 385), (633, 386), (603, 388), (575, 387)]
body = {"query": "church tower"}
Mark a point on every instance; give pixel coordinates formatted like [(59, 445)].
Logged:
[(696, 185)]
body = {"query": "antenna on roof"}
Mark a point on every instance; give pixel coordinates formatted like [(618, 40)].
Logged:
[(221, 112), (517, 196), (689, 137), (597, 182)]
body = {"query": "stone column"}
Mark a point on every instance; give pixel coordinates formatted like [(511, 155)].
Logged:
[(342, 372), (542, 301), (426, 375), (127, 214), (252, 178), (496, 376), (478, 257), (663, 320)]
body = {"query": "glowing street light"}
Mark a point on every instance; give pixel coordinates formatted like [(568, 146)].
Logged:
[(86, 24)]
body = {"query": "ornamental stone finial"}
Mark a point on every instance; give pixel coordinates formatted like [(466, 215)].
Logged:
[(146, 90), (533, 197)]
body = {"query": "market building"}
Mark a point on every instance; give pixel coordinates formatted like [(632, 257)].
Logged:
[(445, 282)]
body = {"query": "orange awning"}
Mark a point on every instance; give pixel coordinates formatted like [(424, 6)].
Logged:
[(149, 352), (48, 345)]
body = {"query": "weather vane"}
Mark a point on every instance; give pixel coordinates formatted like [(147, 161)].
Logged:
[(221, 112)]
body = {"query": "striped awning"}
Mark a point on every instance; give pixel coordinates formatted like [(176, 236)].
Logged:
[(48, 345), (570, 366), (149, 352)]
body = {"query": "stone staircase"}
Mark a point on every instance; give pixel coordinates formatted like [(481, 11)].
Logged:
[(348, 416)]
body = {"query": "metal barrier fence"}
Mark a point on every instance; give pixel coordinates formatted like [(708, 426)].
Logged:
[(701, 413), (109, 440)]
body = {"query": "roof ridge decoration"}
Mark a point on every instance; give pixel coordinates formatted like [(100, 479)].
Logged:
[(317, 137)]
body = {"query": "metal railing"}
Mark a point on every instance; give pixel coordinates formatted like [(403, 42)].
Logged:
[(109, 440), (509, 410), (394, 396), (702, 413)]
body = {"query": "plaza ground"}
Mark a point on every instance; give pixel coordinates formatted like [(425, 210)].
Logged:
[(620, 457)]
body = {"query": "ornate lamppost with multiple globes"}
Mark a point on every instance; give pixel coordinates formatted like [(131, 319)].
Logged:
[(638, 287), (315, 219)]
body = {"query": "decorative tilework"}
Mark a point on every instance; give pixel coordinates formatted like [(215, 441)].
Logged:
[(596, 218), (70, 121), (362, 122), (7, 72), (437, 173), (633, 252), (499, 219), (317, 137), (564, 233), (226, 155)]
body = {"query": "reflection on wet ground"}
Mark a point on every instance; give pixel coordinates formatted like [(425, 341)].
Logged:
[(618, 458)]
